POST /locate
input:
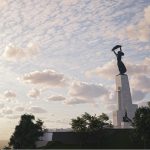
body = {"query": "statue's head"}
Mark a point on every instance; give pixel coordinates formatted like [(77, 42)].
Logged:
[(120, 53)]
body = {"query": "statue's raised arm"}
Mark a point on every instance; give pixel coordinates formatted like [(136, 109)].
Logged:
[(119, 54)]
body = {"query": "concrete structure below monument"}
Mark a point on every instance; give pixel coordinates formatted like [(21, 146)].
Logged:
[(124, 103), (109, 138)]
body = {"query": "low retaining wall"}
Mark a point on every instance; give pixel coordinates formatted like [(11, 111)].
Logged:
[(106, 138)]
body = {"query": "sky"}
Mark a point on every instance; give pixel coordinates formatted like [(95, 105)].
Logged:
[(56, 60)]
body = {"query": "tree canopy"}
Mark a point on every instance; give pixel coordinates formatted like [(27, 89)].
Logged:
[(26, 133), (88, 123), (141, 123)]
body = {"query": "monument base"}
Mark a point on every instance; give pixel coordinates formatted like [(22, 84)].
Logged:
[(126, 125), (124, 102)]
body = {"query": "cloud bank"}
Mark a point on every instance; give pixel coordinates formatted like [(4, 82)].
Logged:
[(14, 53), (82, 92), (56, 98), (36, 109), (141, 30), (46, 78), (9, 94), (34, 93)]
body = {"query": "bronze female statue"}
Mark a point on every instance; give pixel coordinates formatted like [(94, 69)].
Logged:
[(119, 54)]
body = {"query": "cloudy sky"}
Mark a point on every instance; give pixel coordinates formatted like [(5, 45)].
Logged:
[(56, 60)]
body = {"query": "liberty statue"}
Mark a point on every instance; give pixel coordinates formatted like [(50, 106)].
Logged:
[(119, 54)]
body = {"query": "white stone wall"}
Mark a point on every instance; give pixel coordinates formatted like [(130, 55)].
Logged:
[(44, 139), (47, 136)]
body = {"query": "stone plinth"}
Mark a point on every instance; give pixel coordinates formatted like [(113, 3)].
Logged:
[(125, 125), (124, 101)]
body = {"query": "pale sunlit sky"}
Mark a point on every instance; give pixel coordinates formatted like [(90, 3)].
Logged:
[(56, 60)]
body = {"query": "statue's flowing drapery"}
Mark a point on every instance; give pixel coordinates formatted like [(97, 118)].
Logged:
[(121, 66)]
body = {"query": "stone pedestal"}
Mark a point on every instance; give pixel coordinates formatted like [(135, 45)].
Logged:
[(125, 125), (124, 101)]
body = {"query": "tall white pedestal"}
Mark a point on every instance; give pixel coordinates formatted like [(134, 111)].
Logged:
[(124, 102)]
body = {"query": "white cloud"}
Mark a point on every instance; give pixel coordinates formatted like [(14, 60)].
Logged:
[(147, 61), (74, 100), (147, 14), (7, 111), (82, 92), (19, 109), (141, 69), (141, 82), (69, 2), (9, 94), (3, 3), (64, 121), (46, 78), (56, 98), (14, 53), (109, 70), (36, 109), (142, 103), (34, 93), (1, 105), (1, 115), (13, 116), (110, 107), (86, 90), (140, 31), (138, 95)]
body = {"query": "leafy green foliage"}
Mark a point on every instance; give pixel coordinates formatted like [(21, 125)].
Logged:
[(88, 123), (26, 133), (141, 123)]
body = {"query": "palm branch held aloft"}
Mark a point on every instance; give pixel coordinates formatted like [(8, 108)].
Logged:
[(119, 54)]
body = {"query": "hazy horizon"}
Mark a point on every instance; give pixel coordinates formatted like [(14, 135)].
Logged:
[(3, 143)]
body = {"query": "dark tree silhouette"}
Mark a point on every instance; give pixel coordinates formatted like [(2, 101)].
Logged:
[(88, 123), (26, 133), (141, 123)]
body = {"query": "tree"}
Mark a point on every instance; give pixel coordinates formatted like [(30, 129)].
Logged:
[(88, 123), (141, 123), (26, 133)]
